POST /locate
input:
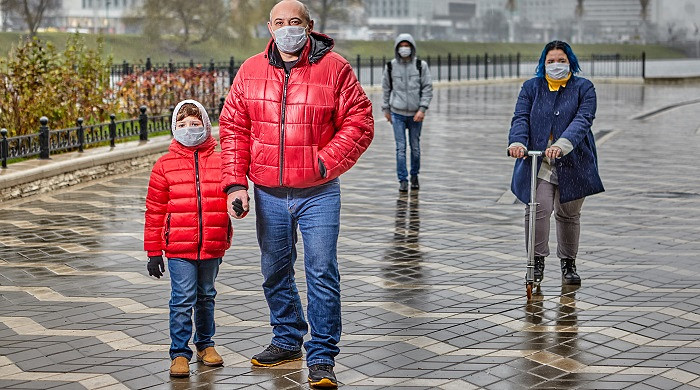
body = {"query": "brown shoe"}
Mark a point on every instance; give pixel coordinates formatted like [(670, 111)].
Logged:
[(210, 357), (180, 367)]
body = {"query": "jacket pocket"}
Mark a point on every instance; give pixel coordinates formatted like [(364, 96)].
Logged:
[(167, 230)]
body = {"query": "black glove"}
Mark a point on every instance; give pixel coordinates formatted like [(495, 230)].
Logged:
[(155, 266), (321, 168), (237, 206)]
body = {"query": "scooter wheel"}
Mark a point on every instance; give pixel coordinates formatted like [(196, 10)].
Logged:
[(528, 291)]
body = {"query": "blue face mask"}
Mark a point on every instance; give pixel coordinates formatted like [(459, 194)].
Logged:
[(190, 136), (557, 70)]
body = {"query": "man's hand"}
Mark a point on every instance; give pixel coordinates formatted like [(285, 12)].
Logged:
[(155, 266), (387, 115), (419, 116), (238, 209), (516, 151)]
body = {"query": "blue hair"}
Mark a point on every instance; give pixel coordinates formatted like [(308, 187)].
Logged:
[(563, 46)]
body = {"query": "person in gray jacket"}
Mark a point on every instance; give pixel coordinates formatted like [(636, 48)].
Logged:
[(408, 90)]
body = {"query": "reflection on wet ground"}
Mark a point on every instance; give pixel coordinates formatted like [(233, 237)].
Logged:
[(432, 280)]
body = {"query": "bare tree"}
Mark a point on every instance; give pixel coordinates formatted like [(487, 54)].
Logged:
[(246, 15), (579, 20), (193, 22), (31, 11), (644, 13), (325, 10)]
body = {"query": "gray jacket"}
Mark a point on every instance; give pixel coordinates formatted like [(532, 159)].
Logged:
[(410, 90)]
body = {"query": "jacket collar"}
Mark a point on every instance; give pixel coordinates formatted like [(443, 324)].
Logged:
[(316, 47), (205, 148)]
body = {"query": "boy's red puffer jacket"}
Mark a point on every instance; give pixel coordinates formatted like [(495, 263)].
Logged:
[(185, 208)]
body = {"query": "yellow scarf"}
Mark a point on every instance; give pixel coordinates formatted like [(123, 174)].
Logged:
[(555, 84)]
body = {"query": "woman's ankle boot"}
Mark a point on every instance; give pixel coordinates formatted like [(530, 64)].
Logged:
[(568, 272)]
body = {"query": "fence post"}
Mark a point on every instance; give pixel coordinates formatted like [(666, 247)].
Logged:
[(469, 64), (371, 70), (44, 138), (191, 63), (644, 65), (81, 134), (171, 66), (449, 66), (231, 70), (211, 65), (486, 66), (617, 65), (112, 130), (125, 68), (510, 64), (222, 100), (359, 69), (476, 66), (439, 66), (4, 147), (459, 68), (517, 64), (149, 65), (143, 124), (593, 65)]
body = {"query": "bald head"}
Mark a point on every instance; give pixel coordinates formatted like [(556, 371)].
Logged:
[(287, 8)]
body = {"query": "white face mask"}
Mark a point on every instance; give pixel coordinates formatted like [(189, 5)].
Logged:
[(290, 39), (557, 70), (190, 136), (404, 51)]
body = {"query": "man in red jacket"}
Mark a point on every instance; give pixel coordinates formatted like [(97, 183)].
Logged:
[(295, 119)]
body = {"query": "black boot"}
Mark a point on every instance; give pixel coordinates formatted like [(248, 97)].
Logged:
[(539, 269), (568, 272), (414, 183)]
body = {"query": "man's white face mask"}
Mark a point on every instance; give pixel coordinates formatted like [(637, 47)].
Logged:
[(290, 39), (404, 51)]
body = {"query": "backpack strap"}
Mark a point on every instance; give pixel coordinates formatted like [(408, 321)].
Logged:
[(391, 80)]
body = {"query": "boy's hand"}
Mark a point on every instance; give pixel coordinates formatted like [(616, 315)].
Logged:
[(155, 266), (237, 202)]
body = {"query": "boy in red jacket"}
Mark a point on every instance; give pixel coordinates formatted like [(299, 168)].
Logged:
[(186, 218)]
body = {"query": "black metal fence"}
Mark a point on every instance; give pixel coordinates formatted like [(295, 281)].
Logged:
[(47, 141), (487, 66), (451, 67)]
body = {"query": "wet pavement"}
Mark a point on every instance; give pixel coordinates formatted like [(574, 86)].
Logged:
[(432, 281)]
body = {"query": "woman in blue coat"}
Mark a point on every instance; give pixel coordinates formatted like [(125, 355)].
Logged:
[(554, 113)]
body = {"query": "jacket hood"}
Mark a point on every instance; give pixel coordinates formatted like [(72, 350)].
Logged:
[(408, 38), (205, 116), (316, 47)]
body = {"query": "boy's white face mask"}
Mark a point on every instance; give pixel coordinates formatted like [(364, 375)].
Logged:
[(404, 51), (190, 136)]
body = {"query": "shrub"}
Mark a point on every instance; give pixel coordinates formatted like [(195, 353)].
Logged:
[(36, 80)]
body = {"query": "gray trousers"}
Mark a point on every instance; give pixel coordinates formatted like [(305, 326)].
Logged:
[(567, 218)]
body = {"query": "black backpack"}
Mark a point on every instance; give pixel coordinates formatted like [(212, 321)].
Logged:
[(419, 66)]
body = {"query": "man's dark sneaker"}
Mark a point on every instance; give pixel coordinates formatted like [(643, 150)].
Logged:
[(274, 355), (568, 272), (538, 273), (322, 375), (403, 186), (414, 183)]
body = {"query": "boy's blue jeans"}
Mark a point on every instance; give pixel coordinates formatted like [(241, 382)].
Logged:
[(192, 285), (316, 212), (400, 124)]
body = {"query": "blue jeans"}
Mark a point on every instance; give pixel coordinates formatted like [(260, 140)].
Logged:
[(400, 124), (192, 284), (316, 212)]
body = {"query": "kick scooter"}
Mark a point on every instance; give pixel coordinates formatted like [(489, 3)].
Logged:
[(530, 273)]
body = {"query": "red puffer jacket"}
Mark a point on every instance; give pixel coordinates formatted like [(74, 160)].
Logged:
[(185, 209), (276, 126)]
